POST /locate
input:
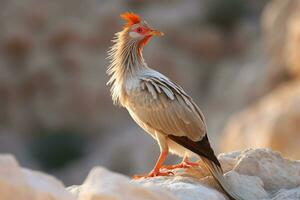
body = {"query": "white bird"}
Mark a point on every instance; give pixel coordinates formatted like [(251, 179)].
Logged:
[(157, 104)]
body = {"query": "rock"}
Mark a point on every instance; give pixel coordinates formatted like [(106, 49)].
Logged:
[(184, 188), (102, 184), (268, 166), (272, 122), (45, 187), (256, 174), (23, 184), (12, 182), (287, 194), (245, 185), (253, 174), (262, 174)]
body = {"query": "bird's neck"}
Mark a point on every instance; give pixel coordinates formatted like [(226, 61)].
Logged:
[(126, 60)]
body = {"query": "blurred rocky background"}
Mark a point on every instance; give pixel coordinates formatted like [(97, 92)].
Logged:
[(273, 120), (239, 60)]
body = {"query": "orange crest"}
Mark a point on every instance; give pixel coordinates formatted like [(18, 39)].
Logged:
[(131, 18)]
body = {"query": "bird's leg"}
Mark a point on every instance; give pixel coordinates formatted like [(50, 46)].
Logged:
[(164, 150), (185, 163), (156, 170)]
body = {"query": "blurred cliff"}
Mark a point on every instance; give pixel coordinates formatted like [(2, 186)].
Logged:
[(55, 109), (273, 120)]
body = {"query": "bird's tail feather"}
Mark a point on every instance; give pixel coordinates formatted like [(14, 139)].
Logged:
[(204, 150), (217, 173)]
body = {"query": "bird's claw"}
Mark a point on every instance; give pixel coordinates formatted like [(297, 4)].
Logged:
[(183, 165)]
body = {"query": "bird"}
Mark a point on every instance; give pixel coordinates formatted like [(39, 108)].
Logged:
[(157, 104)]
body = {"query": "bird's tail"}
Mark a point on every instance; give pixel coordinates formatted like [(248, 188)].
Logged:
[(204, 150), (217, 173)]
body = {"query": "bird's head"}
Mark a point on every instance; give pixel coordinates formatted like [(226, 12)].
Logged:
[(126, 53), (138, 30)]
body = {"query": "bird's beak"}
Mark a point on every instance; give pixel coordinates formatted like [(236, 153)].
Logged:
[(156, 33)]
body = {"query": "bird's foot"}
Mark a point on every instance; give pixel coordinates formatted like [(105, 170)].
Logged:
[(182, 165), (154, 173)]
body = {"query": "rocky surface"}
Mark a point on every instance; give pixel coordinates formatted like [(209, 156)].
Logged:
[(17, 183), (253, 174)]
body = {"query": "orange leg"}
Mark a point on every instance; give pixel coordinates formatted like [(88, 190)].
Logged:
[(156, 170), (185, 163)]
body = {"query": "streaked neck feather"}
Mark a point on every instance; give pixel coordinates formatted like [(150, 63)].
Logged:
[(125, 60)]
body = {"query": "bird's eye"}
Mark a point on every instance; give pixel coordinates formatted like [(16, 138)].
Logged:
[(139, 30)]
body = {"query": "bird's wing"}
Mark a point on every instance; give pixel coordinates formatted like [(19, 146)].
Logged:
[(165, 107)]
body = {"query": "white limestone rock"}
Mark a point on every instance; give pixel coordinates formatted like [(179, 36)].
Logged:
[(284, 194), (275, 171), (259, 174), (102, 184), (184, 188), (23, 184), (13, 184), (46, 187), (248, 187)]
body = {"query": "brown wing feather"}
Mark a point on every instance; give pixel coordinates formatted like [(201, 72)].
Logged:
[(165, 107)]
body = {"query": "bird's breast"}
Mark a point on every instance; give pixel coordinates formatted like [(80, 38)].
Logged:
[(142, 124)]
